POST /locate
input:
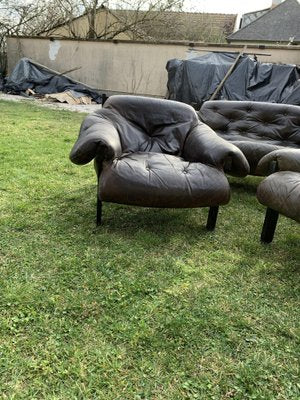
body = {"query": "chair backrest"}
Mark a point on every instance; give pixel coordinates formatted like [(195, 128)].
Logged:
[(253, 120), (150, 125)]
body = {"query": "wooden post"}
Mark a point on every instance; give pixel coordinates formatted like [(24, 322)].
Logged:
[(228, 73)]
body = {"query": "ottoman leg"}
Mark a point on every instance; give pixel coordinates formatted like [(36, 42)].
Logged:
[(99, 211), (212, 218), (269, 226), (99, 206)]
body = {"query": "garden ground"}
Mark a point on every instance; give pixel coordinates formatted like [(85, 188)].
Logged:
[(149, 305)]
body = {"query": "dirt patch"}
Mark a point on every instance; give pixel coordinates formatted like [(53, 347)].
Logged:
[(62, 106)]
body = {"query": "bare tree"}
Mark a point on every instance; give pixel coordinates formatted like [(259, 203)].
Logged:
[(139, 19), (123, 16), (135, 19), (28, 17)]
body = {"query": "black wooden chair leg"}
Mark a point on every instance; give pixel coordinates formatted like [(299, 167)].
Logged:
[(212, 218), (99, 211), (99, 203), (269, 225)]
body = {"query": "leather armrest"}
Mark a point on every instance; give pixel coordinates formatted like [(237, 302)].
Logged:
[(97, 137), (286, 160), (204, 145)]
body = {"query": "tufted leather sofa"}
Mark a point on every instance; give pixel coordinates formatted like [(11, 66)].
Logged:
[(156, 153), (280, 191), (256, 128)]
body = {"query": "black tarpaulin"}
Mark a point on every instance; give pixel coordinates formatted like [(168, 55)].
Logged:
[(29, 75), (193, 81)]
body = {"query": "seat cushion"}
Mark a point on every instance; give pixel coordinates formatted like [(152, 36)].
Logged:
[(160, 180), (281, 192)]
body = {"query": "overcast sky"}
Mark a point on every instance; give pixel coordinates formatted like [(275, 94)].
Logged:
[(227, 6)]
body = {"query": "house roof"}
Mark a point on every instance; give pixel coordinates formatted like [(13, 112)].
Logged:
[(279, 24), (172, 25), (252, 16)]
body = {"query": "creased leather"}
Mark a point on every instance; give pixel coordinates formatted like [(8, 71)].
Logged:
[(204, 145), (286, 160), (97, 135), (281, 192)]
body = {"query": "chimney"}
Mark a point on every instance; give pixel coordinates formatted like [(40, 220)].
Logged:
[(275, 3)]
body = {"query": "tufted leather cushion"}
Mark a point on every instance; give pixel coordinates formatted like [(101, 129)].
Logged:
[(160, 180), (256, 128), (281, 192)]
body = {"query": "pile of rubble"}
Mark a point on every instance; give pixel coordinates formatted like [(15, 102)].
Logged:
[(33, 80)]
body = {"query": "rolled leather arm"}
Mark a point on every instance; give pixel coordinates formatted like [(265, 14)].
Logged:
[(97, 137), (204, 145), (286, 160)]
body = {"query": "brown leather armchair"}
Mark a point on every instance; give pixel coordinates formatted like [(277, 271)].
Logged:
[(256, 128), (280, 191), (156, 153)]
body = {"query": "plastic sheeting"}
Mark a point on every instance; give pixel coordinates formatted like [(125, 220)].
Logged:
[(193, 81), (29, 75)]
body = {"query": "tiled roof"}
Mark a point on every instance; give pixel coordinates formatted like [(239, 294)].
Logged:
[(170, 25), (252, 16), (279, 24)]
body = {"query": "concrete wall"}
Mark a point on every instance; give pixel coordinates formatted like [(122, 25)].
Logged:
[(123, 66)]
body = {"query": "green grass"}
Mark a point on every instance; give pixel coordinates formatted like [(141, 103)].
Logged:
[(149, 305)]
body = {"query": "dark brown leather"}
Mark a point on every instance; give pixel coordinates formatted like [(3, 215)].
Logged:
[(281, 190), (97, 135), (154, 152), (161, 180), (286, 160), (256, 128), (204, 145)]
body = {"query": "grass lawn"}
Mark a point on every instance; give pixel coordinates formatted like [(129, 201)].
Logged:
[(147, 306)]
